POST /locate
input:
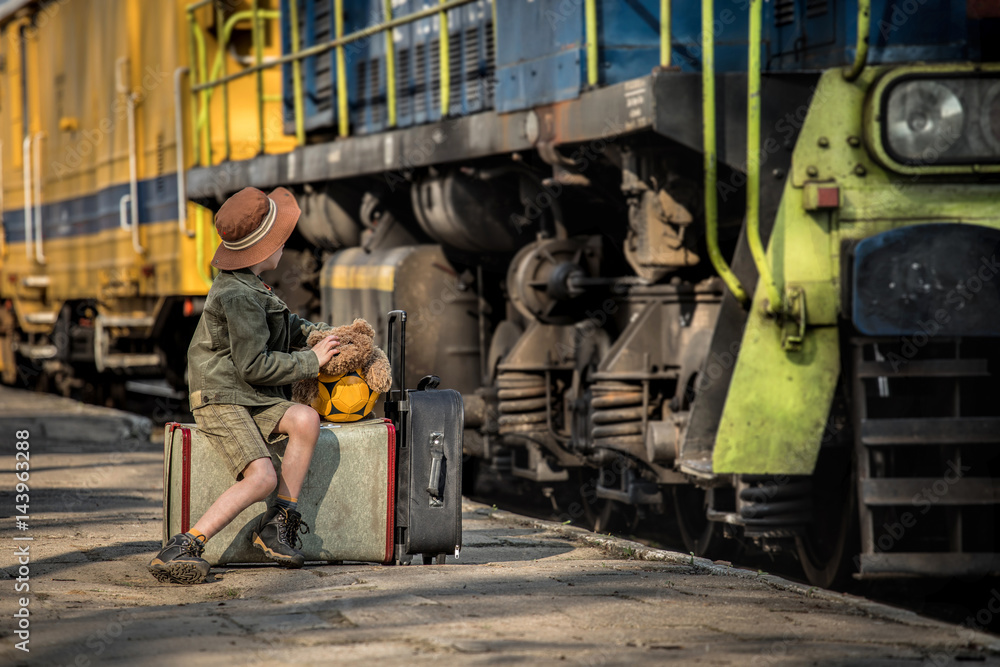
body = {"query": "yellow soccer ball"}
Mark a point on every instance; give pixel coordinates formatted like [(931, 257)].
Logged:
[(344, 398)]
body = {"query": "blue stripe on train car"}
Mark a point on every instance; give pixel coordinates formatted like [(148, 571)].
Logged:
[(99, 211)]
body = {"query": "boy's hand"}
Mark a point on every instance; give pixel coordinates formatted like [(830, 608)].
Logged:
[(326, 349)]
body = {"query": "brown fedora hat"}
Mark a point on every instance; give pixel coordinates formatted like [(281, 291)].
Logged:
[(252, 226)]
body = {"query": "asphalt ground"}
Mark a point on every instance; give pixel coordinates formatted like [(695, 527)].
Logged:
[(523, 591)]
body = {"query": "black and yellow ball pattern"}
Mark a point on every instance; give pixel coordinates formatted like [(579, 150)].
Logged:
[(345, 397)]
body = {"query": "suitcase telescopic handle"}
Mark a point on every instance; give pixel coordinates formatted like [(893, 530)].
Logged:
[(397, 354)]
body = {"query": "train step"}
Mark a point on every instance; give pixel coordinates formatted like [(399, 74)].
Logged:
[(939, 431), (926, 489)]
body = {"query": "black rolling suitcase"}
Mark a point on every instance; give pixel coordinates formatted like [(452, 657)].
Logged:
[(429, 424)]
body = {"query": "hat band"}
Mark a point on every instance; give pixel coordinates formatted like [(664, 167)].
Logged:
[(257, 234)]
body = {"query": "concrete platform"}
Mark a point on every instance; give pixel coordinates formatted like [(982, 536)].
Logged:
[(54, 418), (524, 591)]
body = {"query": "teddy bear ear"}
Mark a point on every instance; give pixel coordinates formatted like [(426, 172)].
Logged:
[(361, 326)]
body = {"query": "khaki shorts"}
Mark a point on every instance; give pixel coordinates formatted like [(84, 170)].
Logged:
[(240, 434)]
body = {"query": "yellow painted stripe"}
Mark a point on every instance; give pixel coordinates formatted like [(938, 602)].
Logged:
[(380, 277)]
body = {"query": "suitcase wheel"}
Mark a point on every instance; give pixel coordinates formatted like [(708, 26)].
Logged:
[(431, 559)]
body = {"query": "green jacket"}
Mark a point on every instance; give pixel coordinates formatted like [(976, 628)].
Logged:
[(240, 352)]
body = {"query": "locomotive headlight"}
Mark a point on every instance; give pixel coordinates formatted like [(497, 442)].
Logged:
[(924, 119), (938, 121)]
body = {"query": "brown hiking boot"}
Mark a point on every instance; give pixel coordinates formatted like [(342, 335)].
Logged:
[(180, 561), (277, 535)]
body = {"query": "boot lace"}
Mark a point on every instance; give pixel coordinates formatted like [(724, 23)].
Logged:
[(292, 525), (192, 547)]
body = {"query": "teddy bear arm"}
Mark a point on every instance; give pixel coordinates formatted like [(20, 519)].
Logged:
[(378, 372)]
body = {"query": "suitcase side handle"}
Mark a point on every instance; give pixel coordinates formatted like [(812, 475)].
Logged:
[(397, 354), (437, 468)]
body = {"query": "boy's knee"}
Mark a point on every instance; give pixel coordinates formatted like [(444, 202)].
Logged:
[(304, 419), (262, 475)]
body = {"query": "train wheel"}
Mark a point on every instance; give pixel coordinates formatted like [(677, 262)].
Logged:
[(610, 516), (701, 537), (826, 548), (602, 516)]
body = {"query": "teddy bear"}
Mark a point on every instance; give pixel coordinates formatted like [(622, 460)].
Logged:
[(357, 351)]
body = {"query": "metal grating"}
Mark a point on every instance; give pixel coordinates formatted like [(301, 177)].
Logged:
[(374, 84), (404, 94), (472, 57), (418, 93), (816, 8), (323, 30), (361, 77), (784, 12), (455, 82), (420, 77), (435, 68), (490, 73)]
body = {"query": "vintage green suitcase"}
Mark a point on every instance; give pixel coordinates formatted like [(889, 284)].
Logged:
[(347, 499)]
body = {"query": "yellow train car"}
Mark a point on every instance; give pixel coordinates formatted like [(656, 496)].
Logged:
[(102, 258)]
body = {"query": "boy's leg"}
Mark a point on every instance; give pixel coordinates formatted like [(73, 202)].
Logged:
[(259, 479), (232, 432), (277, 531), (301, 424)]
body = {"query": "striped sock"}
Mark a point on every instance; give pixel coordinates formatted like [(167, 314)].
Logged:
[(287, 503), (198, 535)]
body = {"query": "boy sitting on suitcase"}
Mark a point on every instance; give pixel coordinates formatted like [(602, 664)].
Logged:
[(239, 369)]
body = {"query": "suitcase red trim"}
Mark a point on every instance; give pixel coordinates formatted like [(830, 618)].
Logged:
[(390, 520)]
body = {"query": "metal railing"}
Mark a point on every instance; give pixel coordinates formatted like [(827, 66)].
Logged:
[(204, 82), (775, 303)]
